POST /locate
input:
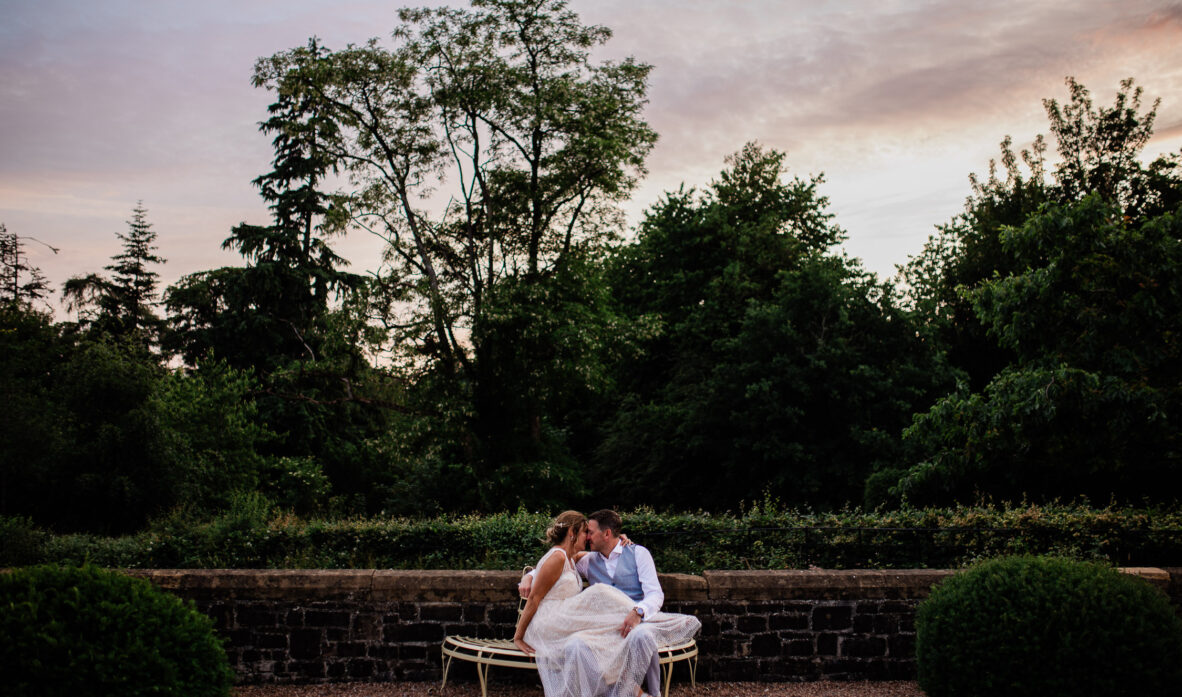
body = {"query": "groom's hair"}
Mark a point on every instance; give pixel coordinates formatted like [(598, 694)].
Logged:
[(607, 520)]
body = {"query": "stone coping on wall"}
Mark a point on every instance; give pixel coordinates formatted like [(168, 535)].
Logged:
[(388, 585)]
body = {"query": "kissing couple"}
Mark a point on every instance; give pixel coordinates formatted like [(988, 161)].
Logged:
[(602, 641)]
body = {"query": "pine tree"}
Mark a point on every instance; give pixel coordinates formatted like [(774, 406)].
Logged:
[(122, 305), (20, 283)]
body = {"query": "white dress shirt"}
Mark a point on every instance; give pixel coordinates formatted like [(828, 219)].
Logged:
[(654, 597)]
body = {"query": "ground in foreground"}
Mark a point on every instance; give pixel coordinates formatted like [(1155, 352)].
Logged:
[(704, 689)]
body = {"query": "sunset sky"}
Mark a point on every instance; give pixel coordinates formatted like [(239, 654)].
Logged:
[(106, 102)]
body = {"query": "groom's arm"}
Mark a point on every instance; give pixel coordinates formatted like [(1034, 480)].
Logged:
[(654, 597)]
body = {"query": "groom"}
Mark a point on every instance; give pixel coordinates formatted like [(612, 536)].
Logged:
[(628, 567)]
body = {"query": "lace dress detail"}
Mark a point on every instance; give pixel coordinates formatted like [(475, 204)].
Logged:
[(580, 652)]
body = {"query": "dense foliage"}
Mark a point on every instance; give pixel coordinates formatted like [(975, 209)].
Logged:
[(86, 631), (252, 534), (1046, 626), (514, 349)]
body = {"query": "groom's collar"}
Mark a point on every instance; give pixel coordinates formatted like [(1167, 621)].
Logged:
[(618, 549)]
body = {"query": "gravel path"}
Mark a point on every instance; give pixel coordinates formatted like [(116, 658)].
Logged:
[(704, 689)]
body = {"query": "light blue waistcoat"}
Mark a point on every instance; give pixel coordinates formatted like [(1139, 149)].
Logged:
[(627, 579)]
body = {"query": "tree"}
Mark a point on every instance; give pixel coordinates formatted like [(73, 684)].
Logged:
[(294, 316), (20, 283), (1089, 404), (1099, 151), (1054, 403), (775, 366), (534, 145), (122, 305), (273, 311)]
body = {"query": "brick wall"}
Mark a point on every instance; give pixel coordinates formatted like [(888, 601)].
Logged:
[(324, 626)]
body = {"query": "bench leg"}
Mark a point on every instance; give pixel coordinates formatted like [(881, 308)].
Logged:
[(446, 666), (482, 674), (668, 675)]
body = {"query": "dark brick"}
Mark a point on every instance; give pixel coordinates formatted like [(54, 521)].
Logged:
[(864, 624), (306, 669), (886, 624), (789, 621), (751, 624), (474, 612), (839, 668), (337, 634), (901, 646), (256, 617), (441, 613), (324, 618), (384, 652), (366, 626), (765, 645), (867, 608), (800, 668), (799, 647), (305, 643), (361, 669), (415, 653), (906, 623), (413, 632), (461, 629), (294, 618), (270, 641), (900, 670), (709, 626), (898, 606), (336, 670), (858, 647), (832, 617), (827, 645), (222, 616), (502, 615), (351, 649)]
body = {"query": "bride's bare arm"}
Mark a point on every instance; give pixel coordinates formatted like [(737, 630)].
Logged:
[(545, 578)]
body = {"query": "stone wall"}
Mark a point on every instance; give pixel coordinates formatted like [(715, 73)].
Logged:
[(322, 626)]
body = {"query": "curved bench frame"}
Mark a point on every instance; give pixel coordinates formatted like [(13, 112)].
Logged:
[(486, 653)]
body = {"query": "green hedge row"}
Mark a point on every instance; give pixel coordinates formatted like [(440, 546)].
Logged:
[(253, 535)]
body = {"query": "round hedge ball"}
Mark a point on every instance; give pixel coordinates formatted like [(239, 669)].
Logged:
[(1047, 626), (88, 631)]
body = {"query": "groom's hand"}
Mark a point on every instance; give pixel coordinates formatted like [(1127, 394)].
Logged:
[(527, 583), (630, 621)]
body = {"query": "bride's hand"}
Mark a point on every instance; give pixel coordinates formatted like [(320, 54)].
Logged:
[(625, 540), (525, 648)]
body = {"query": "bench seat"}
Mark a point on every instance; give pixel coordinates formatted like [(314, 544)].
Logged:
[(486, 653)]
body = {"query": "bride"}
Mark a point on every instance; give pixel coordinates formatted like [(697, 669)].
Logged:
[(575, 636)]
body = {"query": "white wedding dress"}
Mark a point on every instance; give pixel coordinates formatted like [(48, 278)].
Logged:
[(580, 652)]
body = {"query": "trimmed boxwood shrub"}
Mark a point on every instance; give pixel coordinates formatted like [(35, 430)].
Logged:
[(85, 631), (1047, 626)]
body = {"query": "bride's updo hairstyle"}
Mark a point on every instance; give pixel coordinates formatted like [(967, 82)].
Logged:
[(566, 520)]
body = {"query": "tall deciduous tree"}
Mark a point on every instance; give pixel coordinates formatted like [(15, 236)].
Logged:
[(1052, 293), (1090, 404), (497, 117), (1098, 151), (775, 365)]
